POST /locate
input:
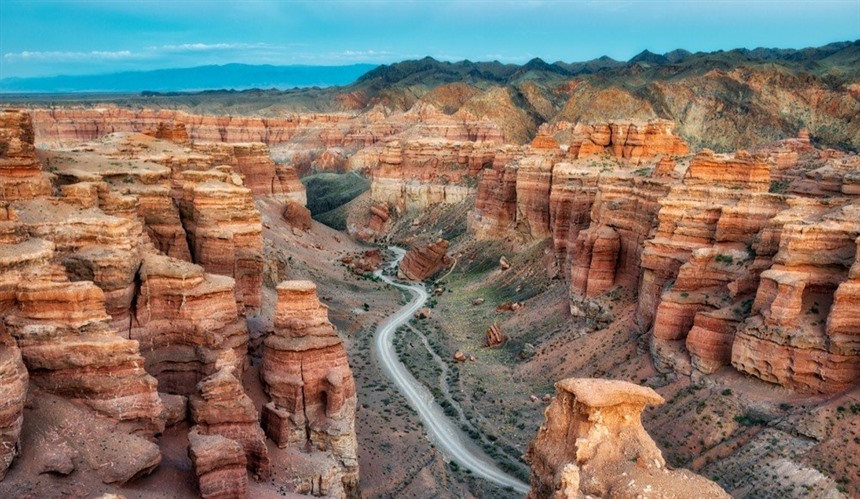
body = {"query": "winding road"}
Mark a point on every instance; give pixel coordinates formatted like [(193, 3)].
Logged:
[(443, 432)]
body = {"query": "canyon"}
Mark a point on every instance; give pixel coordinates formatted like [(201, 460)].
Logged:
[(590, 287)]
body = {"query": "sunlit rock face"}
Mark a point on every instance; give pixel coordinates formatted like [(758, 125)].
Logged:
[(307, 377), (593, 445), (424, 260)]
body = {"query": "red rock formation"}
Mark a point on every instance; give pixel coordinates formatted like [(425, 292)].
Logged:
[(297, 216), (496, 205), (424, 260), (379, 215), (21, 174), (92, 246), (221, 407), (570, 201), (172, 131), (593, 445), (740, 171), (225, 234), (534, 182), (495, 336), (13, 394), (625, 206), (219, 464), (306, 374), (627, 140), (789, 340), (596, 260), (69, 349), (422, 172), (186, 322)]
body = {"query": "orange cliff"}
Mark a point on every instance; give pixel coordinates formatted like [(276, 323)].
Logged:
[(696, 237)]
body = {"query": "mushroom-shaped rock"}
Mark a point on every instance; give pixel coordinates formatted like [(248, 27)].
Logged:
[(593, 444)]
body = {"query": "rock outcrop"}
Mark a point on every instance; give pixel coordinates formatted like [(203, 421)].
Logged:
[(626, 140), (307, 376), (495, 336), (219, 464), (593, 445), (13, 394), (225, 232), (424, 260), (70, 349), (186, 322), (21, 174), (221, 407)]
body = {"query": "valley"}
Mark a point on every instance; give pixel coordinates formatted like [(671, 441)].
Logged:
[(443, 280)]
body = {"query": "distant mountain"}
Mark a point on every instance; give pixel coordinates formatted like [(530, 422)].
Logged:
[(228, 77)]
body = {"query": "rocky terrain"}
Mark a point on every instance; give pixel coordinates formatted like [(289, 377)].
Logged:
[(132, 278), (163, 280)]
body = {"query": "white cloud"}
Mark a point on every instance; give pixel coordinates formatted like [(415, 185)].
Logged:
[(197, 47), (95, 55)]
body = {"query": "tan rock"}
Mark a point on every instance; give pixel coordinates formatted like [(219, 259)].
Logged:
[(219, 464), (593, 444)]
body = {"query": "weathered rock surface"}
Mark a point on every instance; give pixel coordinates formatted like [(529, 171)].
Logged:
[(186, 322), (495, 336), (71, 350), (424, 260), (626, 140), (21, 174), (219, 464), (593, 445), (225, 233), (13, 393), (221, 407), (307, 376), (297, 216)]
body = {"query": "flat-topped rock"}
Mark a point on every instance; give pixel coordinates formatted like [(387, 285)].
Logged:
[(596, 392)]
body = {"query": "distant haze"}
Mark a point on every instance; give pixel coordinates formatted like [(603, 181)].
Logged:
[(80, 37), (229, 76)]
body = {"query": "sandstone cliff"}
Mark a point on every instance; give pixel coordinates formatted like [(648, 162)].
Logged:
[(307, 376), (221, 407)]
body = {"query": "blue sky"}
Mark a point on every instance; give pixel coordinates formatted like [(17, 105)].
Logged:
[(49, 37)]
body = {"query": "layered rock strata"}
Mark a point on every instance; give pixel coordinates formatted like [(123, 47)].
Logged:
[(424, 260), (70, 349), (219, 464), (186, 322), (221, 407), (225, 232), (593, 445), (307, 376), (21, 174), (13, 394)]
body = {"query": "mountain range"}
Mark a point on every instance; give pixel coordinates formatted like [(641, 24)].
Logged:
[(227, 77)]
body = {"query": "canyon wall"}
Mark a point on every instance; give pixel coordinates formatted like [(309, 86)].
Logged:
[(128, 266), (743, 259)]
